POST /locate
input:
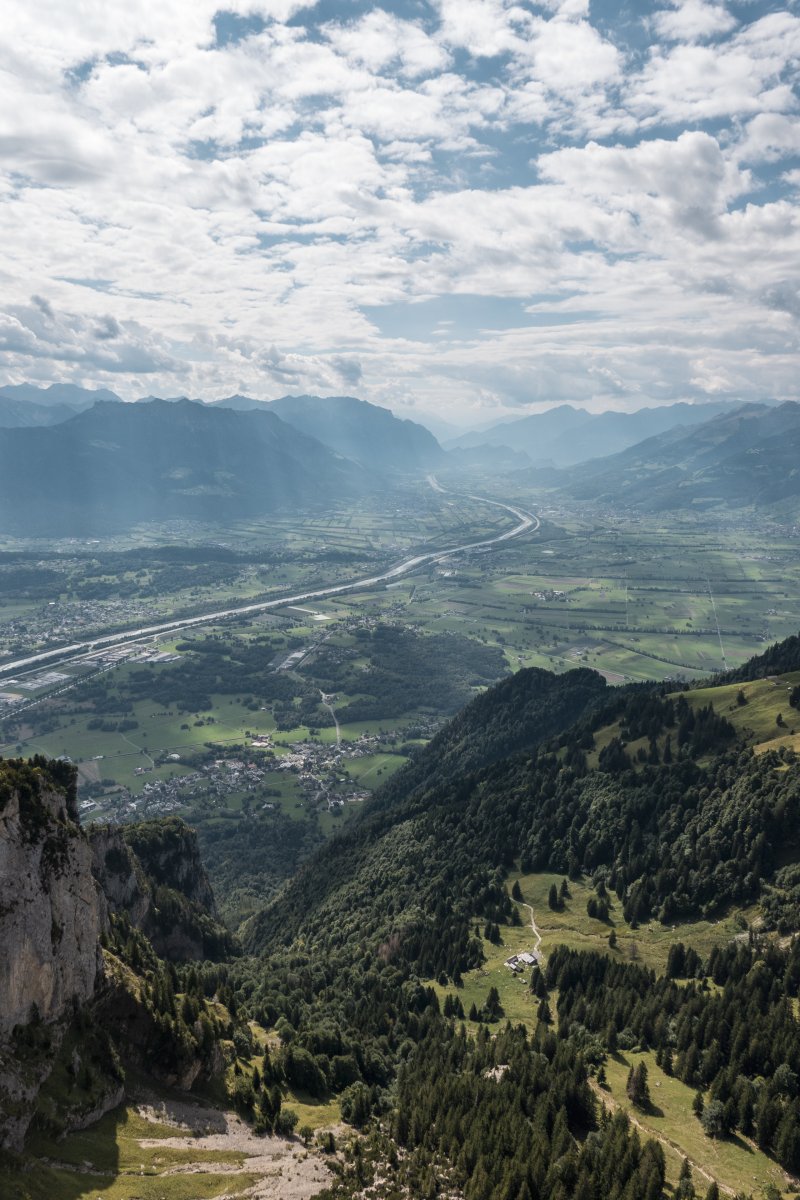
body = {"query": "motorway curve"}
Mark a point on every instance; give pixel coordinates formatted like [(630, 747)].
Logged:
[(526, 523)]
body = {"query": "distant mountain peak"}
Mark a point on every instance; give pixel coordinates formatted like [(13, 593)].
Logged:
[(356, 429)]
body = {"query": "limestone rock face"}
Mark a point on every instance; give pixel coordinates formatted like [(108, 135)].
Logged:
[(59, 888), (51, 915), (153, 874), (169, 852), (120, 875)]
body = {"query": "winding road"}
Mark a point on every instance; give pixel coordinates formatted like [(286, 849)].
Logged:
[(327, 704), (526, 523)]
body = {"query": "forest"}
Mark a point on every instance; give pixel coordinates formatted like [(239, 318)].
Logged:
[(695, 826), (347, 986)]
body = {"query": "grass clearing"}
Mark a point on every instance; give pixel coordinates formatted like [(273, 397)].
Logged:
[(732, 1163), (374, 769), (53, 1183), (736, 1164), (756, 720)]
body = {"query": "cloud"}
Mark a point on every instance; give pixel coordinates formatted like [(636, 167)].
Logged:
[(485, 28), (693, 20), (380, 39), (686, 182), (107, 329), (35, 332), (740, 77), (204, 202)]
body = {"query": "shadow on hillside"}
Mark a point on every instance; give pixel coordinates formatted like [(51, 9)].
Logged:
[(83, 1163)]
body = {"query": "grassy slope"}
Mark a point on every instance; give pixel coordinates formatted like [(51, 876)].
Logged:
[(736, 1165), (755, 722)]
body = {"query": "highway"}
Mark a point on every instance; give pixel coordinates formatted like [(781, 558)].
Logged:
[(526, 523)]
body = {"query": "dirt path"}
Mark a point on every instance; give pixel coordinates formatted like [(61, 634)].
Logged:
[(326, 704), (139, 748), (608, 1101), (534, 927)]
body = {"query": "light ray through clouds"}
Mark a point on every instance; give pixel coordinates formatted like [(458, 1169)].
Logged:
[(456, 206)]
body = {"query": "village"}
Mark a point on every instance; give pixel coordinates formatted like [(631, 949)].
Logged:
[(258, 777)]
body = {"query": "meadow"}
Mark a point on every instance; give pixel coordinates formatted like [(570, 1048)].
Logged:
[(735, 1163)]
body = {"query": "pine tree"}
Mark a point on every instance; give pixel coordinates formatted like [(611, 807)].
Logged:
[(636, 1088)]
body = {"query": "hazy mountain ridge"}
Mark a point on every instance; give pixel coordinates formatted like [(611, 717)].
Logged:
[(58, 393), (746, 457), (18, 414), (115, 465), (364, 432), (565, 436)]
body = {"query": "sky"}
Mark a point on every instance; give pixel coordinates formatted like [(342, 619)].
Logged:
[(468, 208)]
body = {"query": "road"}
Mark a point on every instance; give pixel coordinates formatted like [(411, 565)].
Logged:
[(140, 749), (327, 704), (526, 523)]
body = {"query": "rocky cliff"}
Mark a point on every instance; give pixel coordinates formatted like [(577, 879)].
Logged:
[(84, 930), (51, 917), (152, 872), (51, 913)]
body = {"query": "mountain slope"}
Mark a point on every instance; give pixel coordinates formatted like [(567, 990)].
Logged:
[(118, 464), (17, 414), (534, 434), (510, 719), (369, 435), (747, 457), (58, 393), (564, 436), (378, 943)]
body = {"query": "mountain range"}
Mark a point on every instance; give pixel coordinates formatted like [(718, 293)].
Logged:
[(564, 436), (115, 465), (25, 404), (111, 464), (362, 432), (736, 459)]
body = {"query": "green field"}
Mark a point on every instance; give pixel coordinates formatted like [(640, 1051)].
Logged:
[(735, 1163), (571, 926), (374, 769)]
